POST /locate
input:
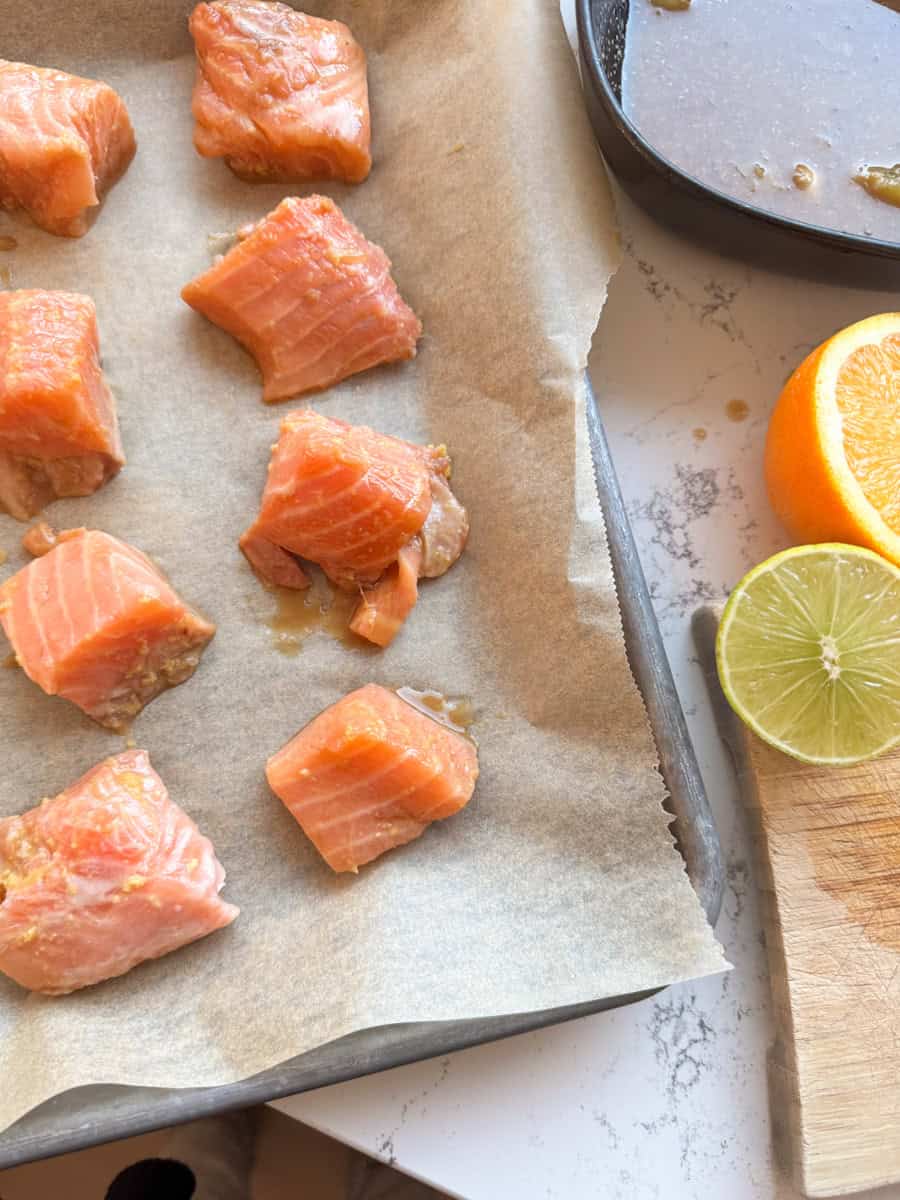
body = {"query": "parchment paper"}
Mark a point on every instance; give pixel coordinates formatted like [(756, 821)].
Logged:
[(559, 883)]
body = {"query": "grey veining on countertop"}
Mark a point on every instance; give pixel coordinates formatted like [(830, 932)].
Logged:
[(666, 1099)]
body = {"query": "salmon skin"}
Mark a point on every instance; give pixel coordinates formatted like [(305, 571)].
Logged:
[(370, 773), (64, 141), (104, 876), (94, 620), (59, 435), (374, 512), (279, 95), (309, 297)]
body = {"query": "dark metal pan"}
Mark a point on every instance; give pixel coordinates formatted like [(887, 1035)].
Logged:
[(703, 213), (87, 1116)]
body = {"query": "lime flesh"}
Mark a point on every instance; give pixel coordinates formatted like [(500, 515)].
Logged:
[(808, 653)]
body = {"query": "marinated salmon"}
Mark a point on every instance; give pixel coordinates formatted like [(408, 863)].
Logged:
[(39, 539), (374, 512), (64, 141), (370, 773), (59, 435), (309, 297), (94, 620), (104, 876), (384, 607), (279, 95)]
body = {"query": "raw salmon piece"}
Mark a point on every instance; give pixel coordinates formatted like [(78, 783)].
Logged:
[(94, 621), (59, 435), (40, 539), (309, 297), (363, 506), (64, 141), (369, 773), (343, 496), (383, 608), (279, 95), (272, 564), (104, 876), (446, 529)]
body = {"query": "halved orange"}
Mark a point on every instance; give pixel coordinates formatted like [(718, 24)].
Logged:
[(833, 447)]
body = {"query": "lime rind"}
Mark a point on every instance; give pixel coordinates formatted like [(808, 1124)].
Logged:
[(808, 653)]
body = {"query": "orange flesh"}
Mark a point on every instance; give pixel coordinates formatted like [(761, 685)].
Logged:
[(831, 462), (309, 297), (868, 398), (279, 94), (64, 141), (371, 773)]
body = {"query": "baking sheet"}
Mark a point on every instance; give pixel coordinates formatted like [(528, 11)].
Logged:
[(559, 883)]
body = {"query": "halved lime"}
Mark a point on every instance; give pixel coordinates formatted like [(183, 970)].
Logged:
[(808, 653)]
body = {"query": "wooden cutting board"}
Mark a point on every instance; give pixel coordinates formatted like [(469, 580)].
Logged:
[(827, 851)]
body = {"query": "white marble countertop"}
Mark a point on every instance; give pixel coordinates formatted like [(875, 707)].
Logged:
[(666, 1098)]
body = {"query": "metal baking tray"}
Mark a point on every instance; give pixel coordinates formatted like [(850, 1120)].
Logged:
[(87, 1116), (703, 213)]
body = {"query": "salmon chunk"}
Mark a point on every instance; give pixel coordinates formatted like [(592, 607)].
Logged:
[(384, 607), (94, 621), (374, 512), (104, 876), (39, 539), (370, 773), (64, 141), (58, 430), (279, 95), (309, 297)]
